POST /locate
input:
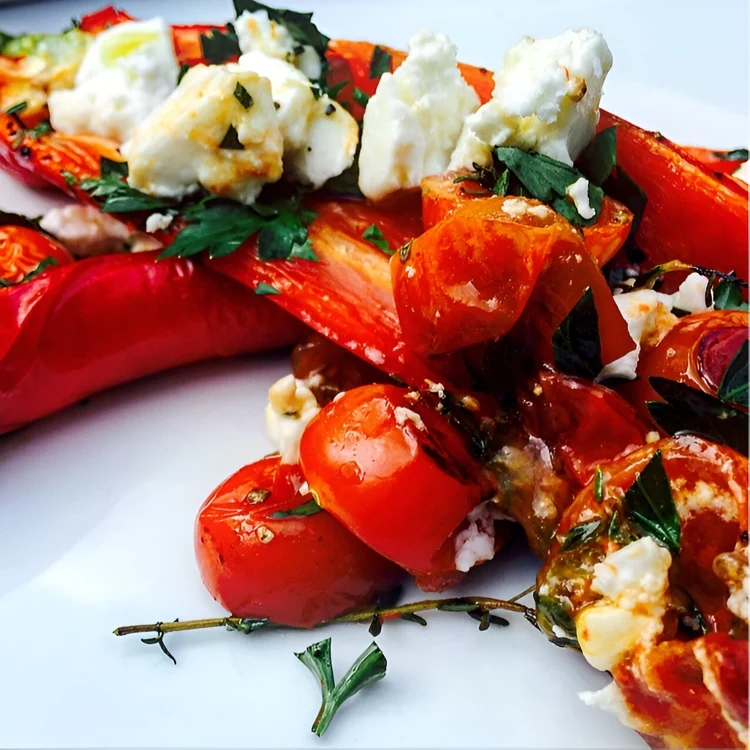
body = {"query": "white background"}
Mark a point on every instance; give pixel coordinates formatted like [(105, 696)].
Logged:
[(97, 503)]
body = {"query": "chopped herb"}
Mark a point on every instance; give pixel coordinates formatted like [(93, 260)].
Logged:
[(405, 251), (380, 62), (41, 266), (688, 411), (329, 110), (111, 168), (620, 531), (16, 109), (39, 130), (649, 505), (347, 183), (727, 295), (360, 97), (502, 183), (258, 495), (581, 534), (599, 158), (737, 154), (69, 177), (551, 612), (368, 668), (599, 485), (317, 92), (334, 91), (114, 194), (263, 289), (310, 508), (183, 70), (576, 344), (231, 140), (623, 188), (734, 383), (18, 140), (375, 237), (220, 46)]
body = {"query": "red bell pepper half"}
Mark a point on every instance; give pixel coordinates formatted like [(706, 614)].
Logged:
[(90, 325)]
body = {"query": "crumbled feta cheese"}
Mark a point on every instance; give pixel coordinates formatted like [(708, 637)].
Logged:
[(515, 207), (177, 149), (734, 569), (158, 222), (633, 582), (611, 699), (540, 211), (476, 543), (86, 231), (546, 98), (578, 192), (743, 172), (437, 388), (412, 123), (257, 33), (126, 73), (691, 295), (320, 136), (703, 496), (652, 436), (404, 415), (291, 407)]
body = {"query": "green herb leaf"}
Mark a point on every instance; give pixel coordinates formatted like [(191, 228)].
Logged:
[(16, 109), (380, 62), (551, 612), (375, 237), (114, 194), (727, 295), (347, 183), (39, 130), (184, 67), (310, 508), (576, 344), (69, 177), (8, 218), (734, 383), (334, 91), (242, 95), (600, 157), (649, 505), (304, 251), (43, 265), (737, 154), (581, 534), (220, 46), (502, 183), (111, 168), (688, 411), (264, 289), (599, 485), (623, 188), (360, 97), (231, 140), (368, 668)]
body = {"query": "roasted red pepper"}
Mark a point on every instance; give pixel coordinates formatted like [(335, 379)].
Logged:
[(86, 326), (22, 249), (723, 162)]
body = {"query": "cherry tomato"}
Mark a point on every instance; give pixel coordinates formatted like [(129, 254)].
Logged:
[(587, 424), (397, 474), (467, 279), (696, 351), (22, 249), (296, 571), (441, 196)]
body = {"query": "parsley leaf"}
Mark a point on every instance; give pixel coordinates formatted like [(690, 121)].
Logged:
[(734, 383), (218, 46), (39, 130), (16, 109), (242, 95), (334, 91), (599, 489), (183, 70), (380, 62), (69, 177), (581, 534), (360, 97), (310, 508), (576, 344), (650, 507), (551, 612), (375, 237), (727, 295), (231, 140), (736, 154), (115, 195), (43, 265), (688, 411), (264, 289), (599, 158), (369, 667)]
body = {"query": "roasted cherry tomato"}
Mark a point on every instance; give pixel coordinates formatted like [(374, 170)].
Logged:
[(398, 475), (587, 424), (442, 195), (296, 571), (22, 249), (696, 351), (467, 279)]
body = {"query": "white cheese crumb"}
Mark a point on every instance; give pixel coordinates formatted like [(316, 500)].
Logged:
[(291, 407), (437, 388), (743, 172), (611, 699), (652, 437), (578, 192), (404, 415), (158, 222), (540, 211), (515, 207), (476, 543), (691, 296)]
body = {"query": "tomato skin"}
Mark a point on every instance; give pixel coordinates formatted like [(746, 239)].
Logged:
[(401, 488), (716, 161), (22, 249), (588, 425), (294, 571), (102, 19), (696, 351), (467, 279)]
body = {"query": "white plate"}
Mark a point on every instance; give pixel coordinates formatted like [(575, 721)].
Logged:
[(97, 503)]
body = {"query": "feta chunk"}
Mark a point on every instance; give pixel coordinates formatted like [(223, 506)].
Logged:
[(158, 222), (633, 582), (412, 123), (611, 699), (546, 98), (177, 149), (476, 543), (691, 295), (578, 192), (743, 172), (126, 73), (257, 33), (291, 407), (320, 136)]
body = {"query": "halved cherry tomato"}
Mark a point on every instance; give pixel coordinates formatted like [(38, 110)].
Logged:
[(441, 196), (696, 351), (587, 424), (22, 249), (468, 279), (296, 571), (397, 474)]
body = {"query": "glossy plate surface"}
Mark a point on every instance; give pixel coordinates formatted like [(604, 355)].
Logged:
[(97, 503)]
